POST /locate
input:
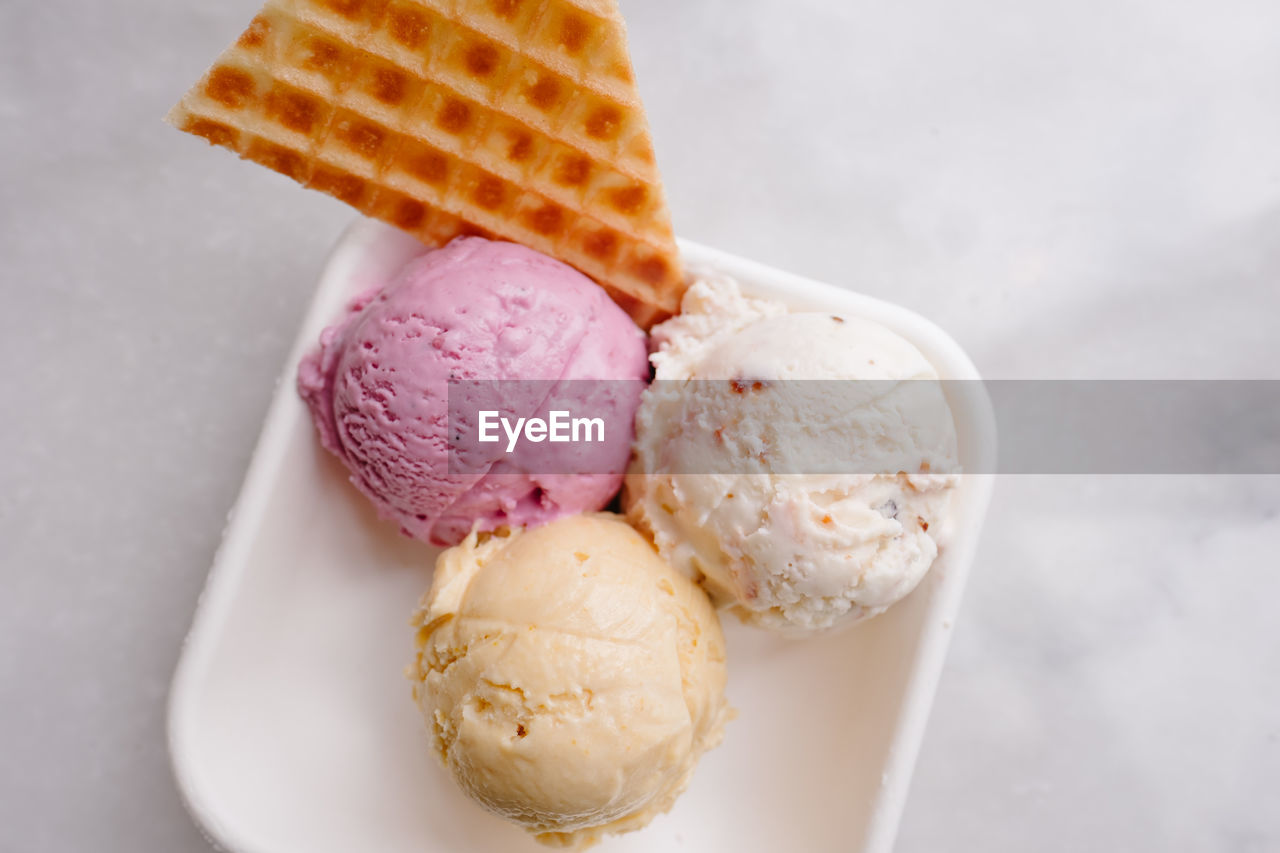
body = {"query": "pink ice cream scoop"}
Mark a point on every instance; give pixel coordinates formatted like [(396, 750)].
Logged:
[(378, 387)]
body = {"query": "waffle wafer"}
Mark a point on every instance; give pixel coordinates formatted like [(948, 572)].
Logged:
[(517, 119)]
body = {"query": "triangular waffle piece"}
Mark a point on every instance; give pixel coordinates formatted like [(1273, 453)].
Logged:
[(517, 119)]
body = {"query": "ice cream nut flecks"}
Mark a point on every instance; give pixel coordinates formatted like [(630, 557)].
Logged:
[(791, 551)]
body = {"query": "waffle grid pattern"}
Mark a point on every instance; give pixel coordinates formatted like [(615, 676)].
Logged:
[(520, 123)]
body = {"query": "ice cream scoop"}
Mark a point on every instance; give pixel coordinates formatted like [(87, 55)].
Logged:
[(570, 677), (378, 386), (802, 504)]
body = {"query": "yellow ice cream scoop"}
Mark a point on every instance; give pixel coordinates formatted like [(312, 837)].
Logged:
[(570, 677)]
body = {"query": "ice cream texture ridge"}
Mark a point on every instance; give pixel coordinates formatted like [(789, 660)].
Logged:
[(796, 552), (378, 384), (570, 677)]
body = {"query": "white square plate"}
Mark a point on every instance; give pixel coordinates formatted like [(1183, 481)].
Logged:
[(291, 724)]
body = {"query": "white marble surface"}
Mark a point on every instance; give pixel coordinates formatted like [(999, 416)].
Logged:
[(1074, 189)]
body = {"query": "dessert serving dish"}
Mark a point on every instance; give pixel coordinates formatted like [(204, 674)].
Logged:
[(291, 725)]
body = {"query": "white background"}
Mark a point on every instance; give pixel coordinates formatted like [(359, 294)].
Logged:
[(1079, 189)]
